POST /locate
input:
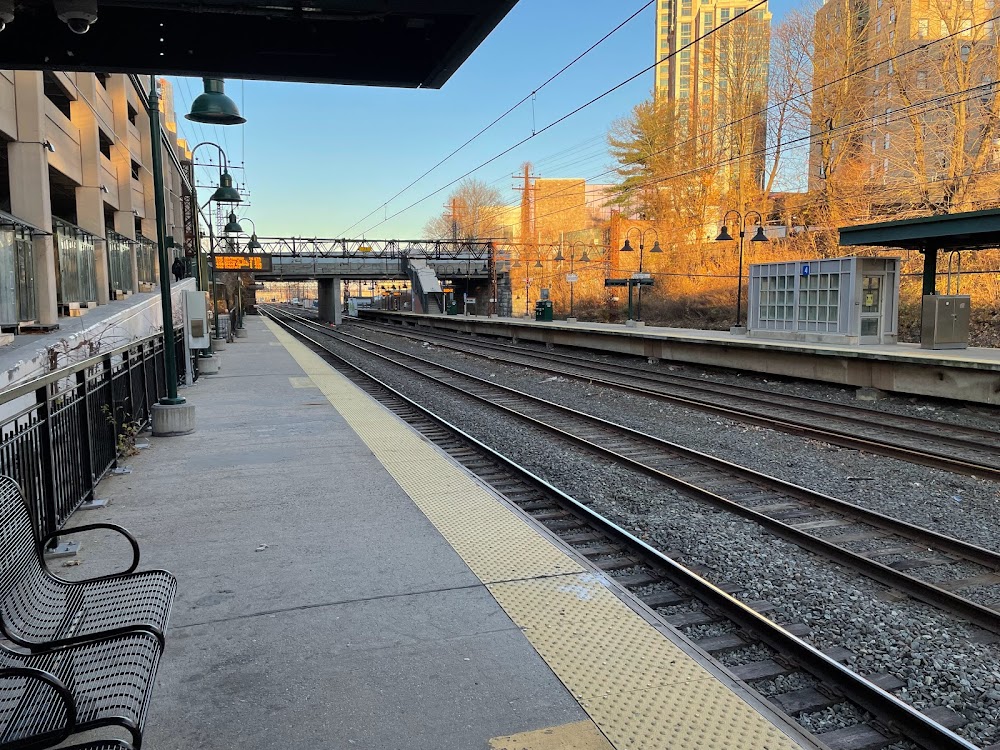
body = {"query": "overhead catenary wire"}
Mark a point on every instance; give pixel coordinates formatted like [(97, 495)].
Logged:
[(575, 111), (765, 110), (528, 97), (898, 115)]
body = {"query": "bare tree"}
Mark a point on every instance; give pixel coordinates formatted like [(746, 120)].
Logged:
[(473, 211)]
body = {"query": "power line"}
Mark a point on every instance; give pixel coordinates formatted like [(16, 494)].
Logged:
[(510, 110), (900, 114), (575, 111), (764, 111)]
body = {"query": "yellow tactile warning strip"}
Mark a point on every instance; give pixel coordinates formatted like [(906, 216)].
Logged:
[(580, 735), (641, 690)]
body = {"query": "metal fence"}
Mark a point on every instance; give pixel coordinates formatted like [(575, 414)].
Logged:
[(59, 434)]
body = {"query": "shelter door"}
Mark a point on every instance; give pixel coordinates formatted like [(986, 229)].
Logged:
[(872, 296)]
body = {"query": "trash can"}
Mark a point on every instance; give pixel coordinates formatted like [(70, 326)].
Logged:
[(543, 310), (452, 308)]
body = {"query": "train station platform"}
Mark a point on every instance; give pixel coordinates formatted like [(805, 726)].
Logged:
[(971, 374), (343, 583)]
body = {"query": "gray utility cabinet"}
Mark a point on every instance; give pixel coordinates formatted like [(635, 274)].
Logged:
[(945, 321)]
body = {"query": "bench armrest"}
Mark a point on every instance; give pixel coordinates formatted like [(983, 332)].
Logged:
[(53, 682), (91, 527)]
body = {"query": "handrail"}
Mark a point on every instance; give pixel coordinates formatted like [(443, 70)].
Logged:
[(30, 386)]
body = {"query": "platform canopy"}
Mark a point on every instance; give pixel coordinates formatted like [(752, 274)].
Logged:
[(406, 43), (973, 230)]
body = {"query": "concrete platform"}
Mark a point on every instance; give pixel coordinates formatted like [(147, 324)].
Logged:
[(344, 584), (971, 374)]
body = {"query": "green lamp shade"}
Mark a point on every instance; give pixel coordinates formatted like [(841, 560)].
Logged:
[(233, 227), (226, 192), (253, 244), (214, 107)]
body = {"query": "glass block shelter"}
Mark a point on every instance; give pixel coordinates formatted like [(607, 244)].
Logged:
[(832, 300)]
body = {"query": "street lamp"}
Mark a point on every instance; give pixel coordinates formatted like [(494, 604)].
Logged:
[(213, 107), (584, 258), (184, 423), (225, 193), (627, 248), (253, 245), (724, 236)]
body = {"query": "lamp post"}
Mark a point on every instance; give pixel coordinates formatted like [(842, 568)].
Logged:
[(724, 236), (225, 193), (627, 248), (166, 306), (232, 230), (584, 258)]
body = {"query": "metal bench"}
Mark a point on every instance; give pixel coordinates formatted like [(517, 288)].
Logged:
[(47, 697), (38, 610)]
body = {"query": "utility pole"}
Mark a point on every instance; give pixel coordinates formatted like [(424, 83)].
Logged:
[(527, 222)]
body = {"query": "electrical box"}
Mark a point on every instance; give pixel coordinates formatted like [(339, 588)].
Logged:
[(196, 319), (945, 321)]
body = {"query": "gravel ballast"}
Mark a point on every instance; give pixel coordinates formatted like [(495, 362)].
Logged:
[(934, 656)]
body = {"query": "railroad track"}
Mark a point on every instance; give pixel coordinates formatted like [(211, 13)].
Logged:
[(679, 595), (965, 450), (819, 523)]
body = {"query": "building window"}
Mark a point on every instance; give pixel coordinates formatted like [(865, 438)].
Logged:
[(102, 78), (105, 143), (892, 15), (892, 38), (878, 25), (873, 146), (724, 14), (878, 4), (886, 140), (965, 51), (890, 71), (944, 27), (966, 27), (921, 79), (136, 169), (55, 93), (923, 27), (133, 115), (968, 4)]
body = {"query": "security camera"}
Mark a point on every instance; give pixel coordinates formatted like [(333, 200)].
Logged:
[(6, 13), (79, 15)]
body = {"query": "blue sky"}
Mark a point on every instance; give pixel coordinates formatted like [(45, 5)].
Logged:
[(319, 158)]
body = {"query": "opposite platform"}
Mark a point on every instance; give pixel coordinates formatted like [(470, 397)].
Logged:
[(963, 374), (342, 583)]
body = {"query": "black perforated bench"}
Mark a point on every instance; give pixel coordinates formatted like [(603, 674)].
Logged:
[(39, 610), (48, 696)]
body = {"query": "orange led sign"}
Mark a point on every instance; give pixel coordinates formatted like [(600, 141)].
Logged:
[(242, 262)]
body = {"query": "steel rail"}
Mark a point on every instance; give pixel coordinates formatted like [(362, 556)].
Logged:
[(860, 421), (936, 596), (890, 710)]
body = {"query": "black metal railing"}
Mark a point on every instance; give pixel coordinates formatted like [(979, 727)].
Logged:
[(59, 434)]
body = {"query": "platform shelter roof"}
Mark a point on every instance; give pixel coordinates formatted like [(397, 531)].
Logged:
[(405, 43), (972, 230)]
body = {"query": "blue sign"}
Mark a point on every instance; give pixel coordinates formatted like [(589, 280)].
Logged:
[(805, 269)]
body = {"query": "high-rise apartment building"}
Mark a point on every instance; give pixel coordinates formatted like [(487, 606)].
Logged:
[(905, 111), (716, 81)]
